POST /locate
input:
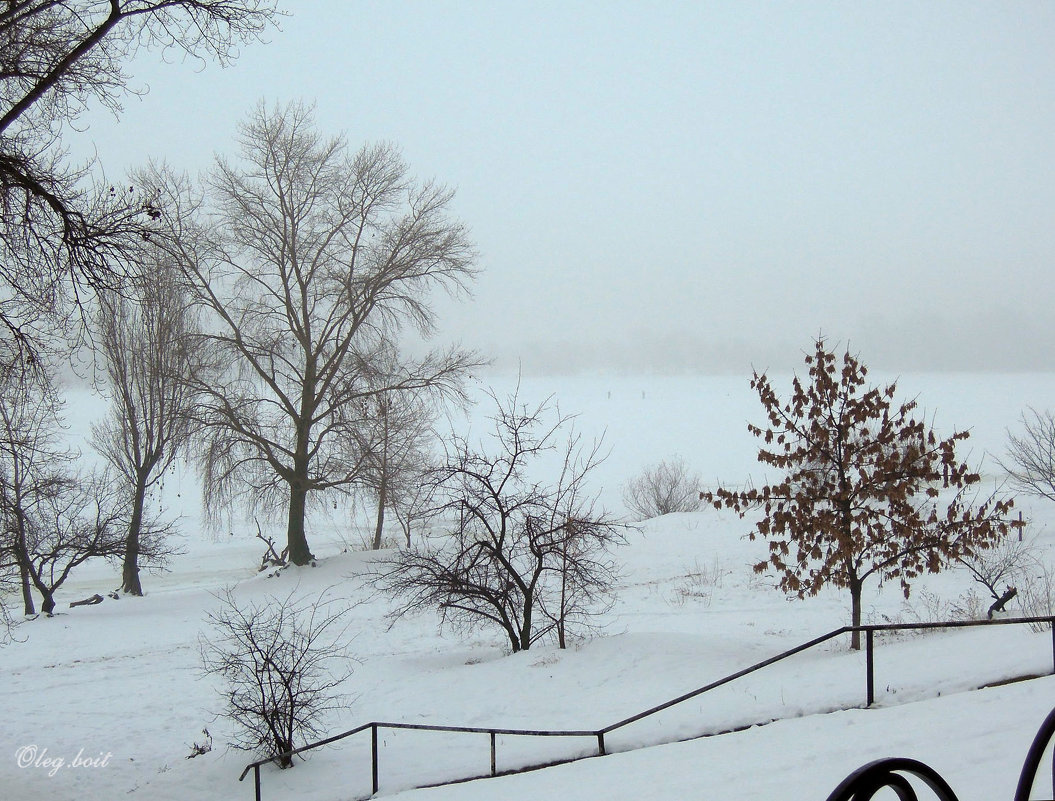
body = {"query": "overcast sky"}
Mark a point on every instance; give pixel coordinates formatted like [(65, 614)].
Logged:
[(686, 186)]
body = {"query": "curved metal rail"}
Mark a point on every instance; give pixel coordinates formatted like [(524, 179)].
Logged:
[(869, 779), (893, 773)]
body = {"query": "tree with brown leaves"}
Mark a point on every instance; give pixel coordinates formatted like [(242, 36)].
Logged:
[(868, 490)]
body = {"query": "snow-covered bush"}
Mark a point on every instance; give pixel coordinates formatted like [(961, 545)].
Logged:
[(660, 489)]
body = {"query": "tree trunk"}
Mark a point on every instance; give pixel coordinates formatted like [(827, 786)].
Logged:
[(47, 603), (525, 629), (22, 557), (296, 539), (382, 499), (854, 583), (28, 606), (130, 569), (514, 638), (855, 613), (563, 614)]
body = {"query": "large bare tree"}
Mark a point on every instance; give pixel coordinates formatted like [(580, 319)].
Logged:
[(308, 259), (60, 236), (144, 337)]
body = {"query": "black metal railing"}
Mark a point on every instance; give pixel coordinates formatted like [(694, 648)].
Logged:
[(894, 773), (599, 734)]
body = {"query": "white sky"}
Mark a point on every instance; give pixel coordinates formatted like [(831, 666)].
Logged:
[(687, 185)]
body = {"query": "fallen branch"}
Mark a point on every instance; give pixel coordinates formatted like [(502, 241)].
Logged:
[(95, 599), (271, 557)]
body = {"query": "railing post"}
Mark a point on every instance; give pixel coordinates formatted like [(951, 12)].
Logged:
[(600, 744), (870, 665), (492, 753), (256, 780), (1052, 625), (373, 756)]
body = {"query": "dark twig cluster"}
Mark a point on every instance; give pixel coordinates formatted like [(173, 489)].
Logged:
[(281, 663), (527, 556)]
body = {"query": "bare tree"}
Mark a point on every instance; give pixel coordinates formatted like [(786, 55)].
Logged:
[(54, 519), (522, 555), (660, 489), (78, 519), (310, 258), (396, 439), (28, 425), (144, 337), (1031, 455), (58, 237), (281, 663)]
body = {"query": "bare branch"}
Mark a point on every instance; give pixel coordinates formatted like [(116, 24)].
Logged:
[(61, 239), (1031, 455), (529, 557)]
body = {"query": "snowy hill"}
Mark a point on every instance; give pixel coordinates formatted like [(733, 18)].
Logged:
[(120, 683)]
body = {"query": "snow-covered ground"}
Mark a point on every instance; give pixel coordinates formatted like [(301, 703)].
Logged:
[(119, 685)]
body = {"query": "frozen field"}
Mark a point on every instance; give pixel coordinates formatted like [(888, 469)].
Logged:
[(119, 683)]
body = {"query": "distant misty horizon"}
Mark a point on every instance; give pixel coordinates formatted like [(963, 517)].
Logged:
[(929, 347), (677, 187)]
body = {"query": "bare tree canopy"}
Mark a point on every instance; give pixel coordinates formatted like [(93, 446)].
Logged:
[(397, 439), (308, 260), (1031, 455), (868, 490), (144, 336), (53, 518), (59, 237), (528, 556)]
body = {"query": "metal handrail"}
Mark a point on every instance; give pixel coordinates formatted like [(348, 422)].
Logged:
[(892, 773), (599, 734)]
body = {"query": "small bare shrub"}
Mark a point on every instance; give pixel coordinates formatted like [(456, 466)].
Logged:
[(699, 583), (1036, 593), (1019, 568), (929, 607), (660, 489), (281, 663)]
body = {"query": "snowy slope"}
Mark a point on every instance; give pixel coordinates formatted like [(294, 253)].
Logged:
[(120, 683)]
